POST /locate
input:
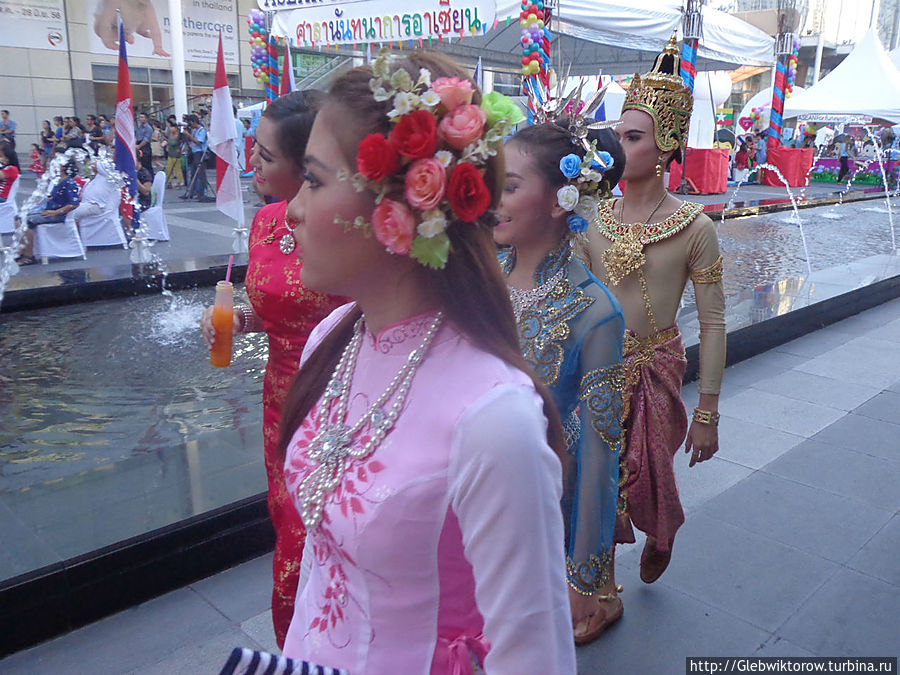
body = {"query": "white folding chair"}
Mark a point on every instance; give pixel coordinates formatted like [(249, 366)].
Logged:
[(8, 210), (97, 215), (153, 220), (58, 240)]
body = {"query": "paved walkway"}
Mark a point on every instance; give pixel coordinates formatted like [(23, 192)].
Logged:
[(790, 546)]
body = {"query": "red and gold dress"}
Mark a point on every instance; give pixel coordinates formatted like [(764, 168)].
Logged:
[(288, 313)]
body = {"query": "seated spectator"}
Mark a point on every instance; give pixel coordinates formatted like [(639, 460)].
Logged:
[(63, 199), (145, 183), (9, 169)]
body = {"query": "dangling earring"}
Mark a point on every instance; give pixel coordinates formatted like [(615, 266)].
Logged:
[(659, 167)]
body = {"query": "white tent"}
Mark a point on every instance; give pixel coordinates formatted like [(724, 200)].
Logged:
[(612, 37), (618, 37), (865, 83)]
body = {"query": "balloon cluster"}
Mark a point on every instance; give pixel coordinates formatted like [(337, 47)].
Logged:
[(259, 50), (534, 20), (792, 62), (757, 113)]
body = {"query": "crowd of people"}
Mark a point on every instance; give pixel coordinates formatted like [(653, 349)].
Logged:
[(178, 148), (751, 150), (488, 396)]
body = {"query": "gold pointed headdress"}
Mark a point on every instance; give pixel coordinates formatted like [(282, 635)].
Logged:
[(661, 94)]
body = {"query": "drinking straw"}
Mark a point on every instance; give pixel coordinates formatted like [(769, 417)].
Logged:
[(228, 273)]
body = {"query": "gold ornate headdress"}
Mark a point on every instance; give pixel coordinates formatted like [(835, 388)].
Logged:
[(661, 94)]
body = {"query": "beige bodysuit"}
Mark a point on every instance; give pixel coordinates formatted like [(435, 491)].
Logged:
[(665, 254)]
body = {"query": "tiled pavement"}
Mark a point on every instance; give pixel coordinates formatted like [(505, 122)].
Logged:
[(790, 546)]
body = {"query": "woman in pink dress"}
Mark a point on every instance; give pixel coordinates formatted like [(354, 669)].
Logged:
[(419, 449), (285, 310)]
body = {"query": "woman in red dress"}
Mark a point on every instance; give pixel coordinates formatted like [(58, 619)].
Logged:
[(287, 313)]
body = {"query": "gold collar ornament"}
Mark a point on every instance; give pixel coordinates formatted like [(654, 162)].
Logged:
[(626, 255), (661, 94)]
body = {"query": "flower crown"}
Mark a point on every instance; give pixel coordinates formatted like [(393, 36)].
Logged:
[(585, 188), (434, 155)]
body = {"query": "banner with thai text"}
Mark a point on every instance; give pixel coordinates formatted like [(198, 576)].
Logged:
[(382, 21), (147, 32), (33, 24)]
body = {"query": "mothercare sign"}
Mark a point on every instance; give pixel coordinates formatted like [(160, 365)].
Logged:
[(147, 29), (311, 22)]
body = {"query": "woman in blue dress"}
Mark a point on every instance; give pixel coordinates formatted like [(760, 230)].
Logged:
[(571, 330)]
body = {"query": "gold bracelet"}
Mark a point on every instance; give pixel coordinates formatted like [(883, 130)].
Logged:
[(706, 417)]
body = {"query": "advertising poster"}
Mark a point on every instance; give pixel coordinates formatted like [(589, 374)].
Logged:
[(33, 24), (147, 31)]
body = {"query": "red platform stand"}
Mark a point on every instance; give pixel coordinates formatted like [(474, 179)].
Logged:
[(794, 163), (707, 171)]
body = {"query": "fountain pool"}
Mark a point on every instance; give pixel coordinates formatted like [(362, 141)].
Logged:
[(113, 423)]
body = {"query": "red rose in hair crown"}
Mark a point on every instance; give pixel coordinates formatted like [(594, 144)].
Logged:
[(415, 135), (427, 171), (376, 158), (469, 196)]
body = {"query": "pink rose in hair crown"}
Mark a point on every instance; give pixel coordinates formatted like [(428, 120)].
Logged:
[(426, 181), (453, 91), (462, 126), (394, 226)]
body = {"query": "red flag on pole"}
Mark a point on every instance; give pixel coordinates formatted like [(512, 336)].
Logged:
[(287, 71), (223, 141)]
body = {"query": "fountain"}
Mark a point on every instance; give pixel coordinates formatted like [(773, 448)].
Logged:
[(879, 153)]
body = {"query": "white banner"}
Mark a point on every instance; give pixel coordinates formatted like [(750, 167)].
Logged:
[(147, 24), (364, 21), (842, 118), (33, 24)]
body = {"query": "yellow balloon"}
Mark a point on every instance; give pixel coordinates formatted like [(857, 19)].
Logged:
[(540, 23), (532, 18)]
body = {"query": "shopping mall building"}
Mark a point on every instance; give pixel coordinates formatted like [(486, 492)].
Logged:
[(59, 57)]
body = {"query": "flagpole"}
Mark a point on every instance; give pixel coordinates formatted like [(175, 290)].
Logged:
[(179, 84)]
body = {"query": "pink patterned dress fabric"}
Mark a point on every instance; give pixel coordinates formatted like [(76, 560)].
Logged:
[(655, 428), (421, 563)]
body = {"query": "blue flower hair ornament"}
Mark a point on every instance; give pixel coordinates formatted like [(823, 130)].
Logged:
[(585, 186)]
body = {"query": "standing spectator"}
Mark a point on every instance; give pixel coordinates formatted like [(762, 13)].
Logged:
[(48, 139), (742, 163), (760, 154), (158, 146), (846, 150), (7, 128), (9, 170), (173, 154), (195, 135), (142, 137), (58, 128), (239, 140)]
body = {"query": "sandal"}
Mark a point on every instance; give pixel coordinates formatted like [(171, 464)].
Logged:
[(608, 618), (653, 561), (26, 260)]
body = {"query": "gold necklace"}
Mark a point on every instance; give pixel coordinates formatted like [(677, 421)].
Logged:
[(286, 245), (652, 213)]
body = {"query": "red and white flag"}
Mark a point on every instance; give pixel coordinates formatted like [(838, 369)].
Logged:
[(287, 71), (223, 141)]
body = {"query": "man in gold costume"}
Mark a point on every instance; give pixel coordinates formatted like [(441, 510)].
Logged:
[(645, 246)]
